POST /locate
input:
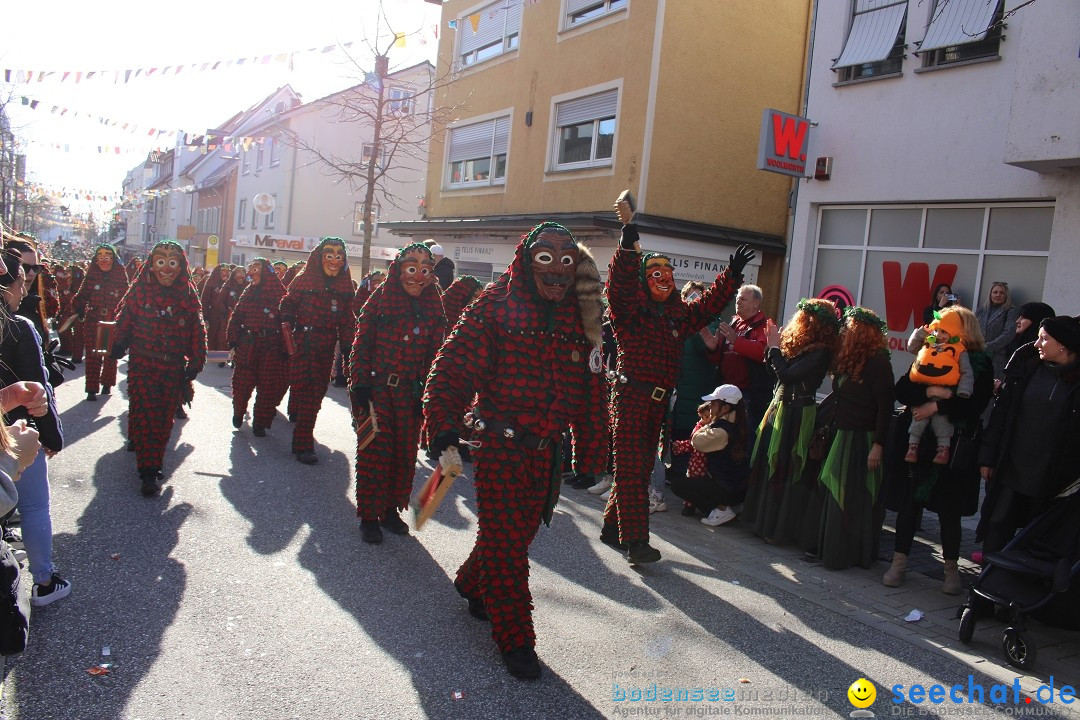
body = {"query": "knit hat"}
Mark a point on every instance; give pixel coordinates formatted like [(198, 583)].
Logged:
[(1064, 329), (1036, 312)]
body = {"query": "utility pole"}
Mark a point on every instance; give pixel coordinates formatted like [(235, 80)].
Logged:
[(382, 65)]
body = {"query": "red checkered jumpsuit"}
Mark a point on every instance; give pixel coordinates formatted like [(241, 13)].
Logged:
[(254, 330), (96, 302)]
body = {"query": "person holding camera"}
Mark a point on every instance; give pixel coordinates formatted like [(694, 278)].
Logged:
[(943, 298)]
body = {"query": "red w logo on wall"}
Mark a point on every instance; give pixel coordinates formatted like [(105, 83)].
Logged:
[(906, 296)]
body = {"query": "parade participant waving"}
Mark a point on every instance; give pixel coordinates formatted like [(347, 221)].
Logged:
[(528, 349), (160, 321), (318, 308), (254, 335), (105, 283), (651, 324), (397, 333)]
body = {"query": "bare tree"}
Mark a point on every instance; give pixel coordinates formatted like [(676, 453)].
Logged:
[(401, 129)]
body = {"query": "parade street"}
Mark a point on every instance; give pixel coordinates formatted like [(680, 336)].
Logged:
[(244, 591)]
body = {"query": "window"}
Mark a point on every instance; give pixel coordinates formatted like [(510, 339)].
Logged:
[(489, 32), (358, 219), (259, 158), (369, 152), (875, 45), (242, 214), (268, 223), (962, 30), (247, 162), (478, 153), (254, 218), (581, 11), (275, 151), (401, 101), (585, 131)]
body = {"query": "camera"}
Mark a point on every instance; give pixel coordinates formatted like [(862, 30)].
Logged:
[(952, 298)]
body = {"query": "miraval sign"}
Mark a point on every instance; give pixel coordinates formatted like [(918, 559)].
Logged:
[(784, 143), (296, 243)]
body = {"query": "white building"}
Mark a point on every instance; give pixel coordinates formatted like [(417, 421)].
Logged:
[(953, 133)]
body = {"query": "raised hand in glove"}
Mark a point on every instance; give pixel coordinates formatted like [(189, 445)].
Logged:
[(360, 396), (741, 258), (191, 372)]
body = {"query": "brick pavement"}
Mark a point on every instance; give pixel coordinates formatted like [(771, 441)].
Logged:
[(857, 593)]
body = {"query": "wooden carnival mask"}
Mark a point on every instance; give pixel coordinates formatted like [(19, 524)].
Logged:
[(660, 278), (553, 262), (104, 259), (417, 269), (254, 273), (333, 259), (166, 264)]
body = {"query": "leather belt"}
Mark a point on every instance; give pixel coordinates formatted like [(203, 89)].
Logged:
[(164, 357), (526, 440), (389, 379), (656, 393)]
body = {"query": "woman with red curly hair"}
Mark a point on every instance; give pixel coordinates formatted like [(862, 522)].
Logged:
[(779, 491), (851, 475)]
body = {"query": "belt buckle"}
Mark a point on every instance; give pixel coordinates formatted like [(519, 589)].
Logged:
[(658, 393), (542, 445), (392, 380)]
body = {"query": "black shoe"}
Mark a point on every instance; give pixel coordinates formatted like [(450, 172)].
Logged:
[(609, 535), (476, 605), (583, 482), (181, 413), (393, 522), (641, 552), (258, 431), (308, 457), (522, 663), (92, 397), (370, 532), (151, 482), (688, 510), (237, 421), (105, 389)]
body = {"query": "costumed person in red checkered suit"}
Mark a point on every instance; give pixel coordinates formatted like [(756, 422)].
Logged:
[(318, 307), (458, 296), (254, 334), (529, 349), (214, 306), (398, 331), (160, 321), (96, 300), (230, 295), (651, 323), (77, 339), (366, 287)]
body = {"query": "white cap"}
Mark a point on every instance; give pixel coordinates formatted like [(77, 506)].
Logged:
[(436, 249), (725, 393)]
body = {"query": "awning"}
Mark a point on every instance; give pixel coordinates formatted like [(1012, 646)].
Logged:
[(874, 31), (959, 22)]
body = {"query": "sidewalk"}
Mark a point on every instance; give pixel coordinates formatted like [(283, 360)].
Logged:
[(859, 595)]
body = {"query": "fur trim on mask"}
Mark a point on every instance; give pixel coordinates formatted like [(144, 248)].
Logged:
[(587, 287)]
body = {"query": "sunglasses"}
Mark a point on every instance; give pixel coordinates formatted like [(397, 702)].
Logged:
[(1002, 284), (31, 268)]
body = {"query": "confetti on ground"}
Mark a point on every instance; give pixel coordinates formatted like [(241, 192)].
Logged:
[(744, 680), (914, 616), (458, 695), (106, 651), (115, 556), (98, 670)]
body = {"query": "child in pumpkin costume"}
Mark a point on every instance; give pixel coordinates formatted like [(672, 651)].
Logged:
[(942, 360)]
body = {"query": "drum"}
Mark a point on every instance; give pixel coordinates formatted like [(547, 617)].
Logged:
[(103, 339)]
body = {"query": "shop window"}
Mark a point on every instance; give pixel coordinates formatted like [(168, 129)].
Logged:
[(1018, 228), (895, 228)]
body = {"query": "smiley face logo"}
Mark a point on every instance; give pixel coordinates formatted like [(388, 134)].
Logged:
[(862, 693)]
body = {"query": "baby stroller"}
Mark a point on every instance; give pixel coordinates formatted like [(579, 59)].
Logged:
[(1037, 574)]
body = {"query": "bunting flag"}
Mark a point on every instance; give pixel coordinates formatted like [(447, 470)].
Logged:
[(124, 76)]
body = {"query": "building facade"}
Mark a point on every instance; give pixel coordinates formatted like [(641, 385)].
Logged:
[(954, 151), (561, 105)]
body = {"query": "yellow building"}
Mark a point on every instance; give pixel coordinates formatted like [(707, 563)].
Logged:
[(561, 104)]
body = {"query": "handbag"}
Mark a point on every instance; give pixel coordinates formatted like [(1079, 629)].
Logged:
[(824, 424)]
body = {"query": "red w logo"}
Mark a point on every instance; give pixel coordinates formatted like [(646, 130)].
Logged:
[(905, 297)]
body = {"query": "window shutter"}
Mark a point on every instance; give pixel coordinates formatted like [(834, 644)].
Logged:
[(591, 107), (488, 29), (573, 6), (958, 22), (502, 135), (471, 142), (873, 32), (513, 18)]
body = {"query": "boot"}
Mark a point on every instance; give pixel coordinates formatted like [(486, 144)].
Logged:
[(952, 584), (641, 552), (609, 535), (522, 663), (894, 576), (393, 522), (370, 532)]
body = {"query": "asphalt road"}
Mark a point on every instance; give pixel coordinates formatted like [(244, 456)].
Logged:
[(244, 591)]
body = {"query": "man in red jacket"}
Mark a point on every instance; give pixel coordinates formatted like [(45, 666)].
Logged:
[(741, 354)]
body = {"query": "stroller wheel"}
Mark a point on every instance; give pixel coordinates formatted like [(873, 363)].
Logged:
[(967, 625), (1018, 648)]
